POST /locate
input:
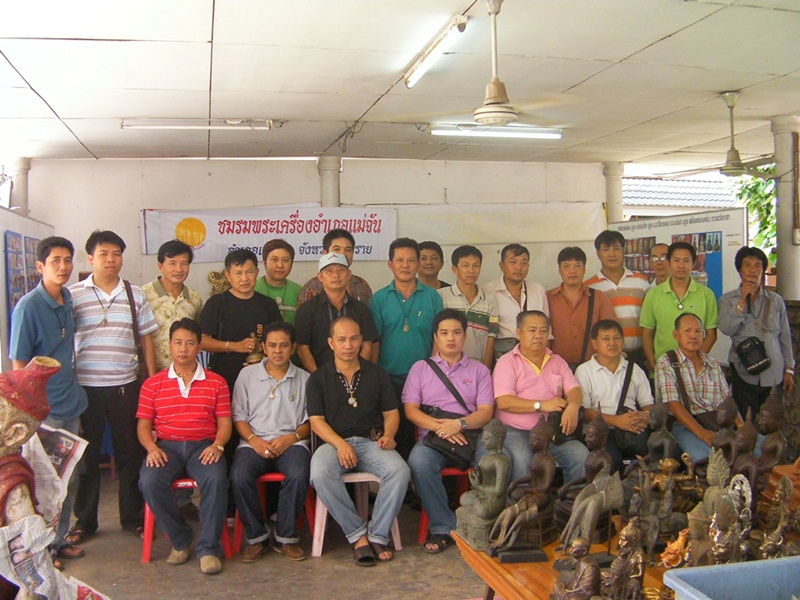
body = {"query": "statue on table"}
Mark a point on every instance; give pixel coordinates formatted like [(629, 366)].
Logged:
[(625, 579), (770, 425), (730, 525), (660, 443), (532, 492), (744, 463), (676, 552), (700, 517), (585, 582), (603, 495), (726, 417), (595, 434), (778, 520)]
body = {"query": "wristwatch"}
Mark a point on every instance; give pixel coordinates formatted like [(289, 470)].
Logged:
[(463, 423), (537, 406)]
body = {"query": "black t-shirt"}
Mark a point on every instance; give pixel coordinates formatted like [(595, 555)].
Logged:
[(327, 397), (313, 322), (230, 319)]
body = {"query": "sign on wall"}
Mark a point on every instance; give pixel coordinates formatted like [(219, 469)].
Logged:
[(214, 233)]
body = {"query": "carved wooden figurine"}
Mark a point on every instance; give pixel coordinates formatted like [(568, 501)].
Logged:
[(585, 582)]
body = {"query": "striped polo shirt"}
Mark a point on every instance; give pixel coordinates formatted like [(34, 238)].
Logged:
[(483, 318), (105, 354), (627, 298), (188, 414)]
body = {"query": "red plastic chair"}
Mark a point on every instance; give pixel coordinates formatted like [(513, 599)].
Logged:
[(462, 486), (238, 527), (150, 523)]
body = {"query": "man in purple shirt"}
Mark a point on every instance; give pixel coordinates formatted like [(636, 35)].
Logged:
[(424, 389), (530, 382)]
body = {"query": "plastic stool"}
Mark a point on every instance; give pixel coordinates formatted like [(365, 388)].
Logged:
[(462, 486)]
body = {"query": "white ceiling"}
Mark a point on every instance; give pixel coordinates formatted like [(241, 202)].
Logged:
[(634, 81)]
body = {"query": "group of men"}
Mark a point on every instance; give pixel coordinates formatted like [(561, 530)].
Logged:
[(350, 358)]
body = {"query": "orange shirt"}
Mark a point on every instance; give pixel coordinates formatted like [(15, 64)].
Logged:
[(568, 323)]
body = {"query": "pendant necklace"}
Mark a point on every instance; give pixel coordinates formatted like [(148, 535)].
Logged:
[(104, 322), (682, 298), (406, 327), (187, 374), (273, 392), (351, 388), (63, 325)]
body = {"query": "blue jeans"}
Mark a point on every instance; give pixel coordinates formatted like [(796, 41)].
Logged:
[(247, 467), (183, 459), (326, 477), (71, 425), (569, 456), (697, 448)]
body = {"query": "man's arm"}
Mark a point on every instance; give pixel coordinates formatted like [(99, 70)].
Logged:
[(156, 457), (347, 455), (391, 422), (16, 365), (709, 340), (687, 420), (305, 356), (376, 352), (517, 405), (213, 453), (488, 354), (569, 420), (210, 344), (149, 350), (648, 345), (366, 350)]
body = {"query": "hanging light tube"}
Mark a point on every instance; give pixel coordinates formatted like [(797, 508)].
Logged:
[(506, 131), (434, 50), (199, 124)]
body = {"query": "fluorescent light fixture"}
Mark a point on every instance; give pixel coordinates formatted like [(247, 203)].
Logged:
[(506, 131), (434, 50), (201, 124)]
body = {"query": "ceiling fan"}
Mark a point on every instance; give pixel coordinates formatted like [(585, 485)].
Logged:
[(496, 109)]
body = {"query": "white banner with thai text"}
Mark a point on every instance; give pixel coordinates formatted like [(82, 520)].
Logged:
[(214, 233)]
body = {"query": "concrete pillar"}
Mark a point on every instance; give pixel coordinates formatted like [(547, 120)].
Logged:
[(18, 170), (329, 168), (784, 130), (614, 172)]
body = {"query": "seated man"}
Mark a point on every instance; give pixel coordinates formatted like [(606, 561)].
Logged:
[(189, 407), (529, 383), (424, 391), (602, 379), (705, 385), (269, 413), (353, 409)]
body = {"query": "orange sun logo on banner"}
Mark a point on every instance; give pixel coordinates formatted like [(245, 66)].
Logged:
[(191, 231)]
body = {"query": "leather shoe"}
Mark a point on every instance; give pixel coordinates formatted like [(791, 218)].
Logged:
[(178, 557), (210, 564), (290, 551), (253, 553)]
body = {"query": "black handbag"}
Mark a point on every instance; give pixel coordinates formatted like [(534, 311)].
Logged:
[(629, 443), (559, 437), (707, 419), (461, 456), (751, 351)]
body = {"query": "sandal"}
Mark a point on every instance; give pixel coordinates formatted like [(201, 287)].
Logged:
[(137, 531), (379, 549), (57, 563), (77, 535), (363, 556), (69, 551), (441, 541)]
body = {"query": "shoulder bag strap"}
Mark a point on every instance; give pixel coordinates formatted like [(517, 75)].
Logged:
[(626, 384), (447, 383), (765, 316), (676, 366), (588, 332), (137, 340)]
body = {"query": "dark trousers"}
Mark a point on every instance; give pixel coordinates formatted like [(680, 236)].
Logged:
[(116, 405), (746, 395), (405, 438)]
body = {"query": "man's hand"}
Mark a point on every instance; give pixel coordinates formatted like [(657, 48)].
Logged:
[(386, 442), (569, 420), (707, 436), (788, 383), (263, 447), (244, 346), (554, 405), (347, 455), (447, 428), (210, 455), (634, 421), (156, 458), (282, 443)]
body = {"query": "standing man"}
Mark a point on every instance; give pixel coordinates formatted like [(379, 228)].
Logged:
[(479, 307), (678, 294), (353, 409), (624, 288), (314, 318), (514, 294), (170, 299), (341, 242), (42, 325), (659, 264), (403, 312), (269, 413), (431, 261), (569, 308), (107, 367), (752, 311), (278, 260)]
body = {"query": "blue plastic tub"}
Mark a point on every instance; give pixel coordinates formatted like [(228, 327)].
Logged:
[(775, 579)]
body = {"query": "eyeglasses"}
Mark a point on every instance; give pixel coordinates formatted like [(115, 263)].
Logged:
[(658, 259)]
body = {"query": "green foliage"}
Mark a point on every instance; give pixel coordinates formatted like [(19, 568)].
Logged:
[(758, 195)]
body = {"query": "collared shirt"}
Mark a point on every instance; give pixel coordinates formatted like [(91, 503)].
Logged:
[(180, 418), (313, 323), (327, 397), (482, 318), (358, 288), (198, 375), (660, 309), (405, 326), (532, 297), (285, 297), (40, 326), (105, 353), (706, 389), (514, 375), (272, 408), (470, 377), (777, 336), (167, 309), (602, 388), (568, 323), (626, 298)]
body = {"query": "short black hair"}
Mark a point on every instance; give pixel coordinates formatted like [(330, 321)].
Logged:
[(277, 244), (342, 319), (746, 251), (335, 234), (187, 324), (681, 246), (513, 250), (239, 257), (608, 238), (403, 242), (605, 325), (449, 313), (46, 246), (531, 313), (683, 315), (571, 253), (283, 326), (464, 252), (431, 245), (174, 248), (104, 237)]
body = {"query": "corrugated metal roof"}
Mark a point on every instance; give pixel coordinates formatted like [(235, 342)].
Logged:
[(646, 191)]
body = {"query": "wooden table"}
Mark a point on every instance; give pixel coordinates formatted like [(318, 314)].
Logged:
[(525, 581)]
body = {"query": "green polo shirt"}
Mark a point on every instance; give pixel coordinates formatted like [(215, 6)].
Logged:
[(660, 309), (286, 296), (400, 349)]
